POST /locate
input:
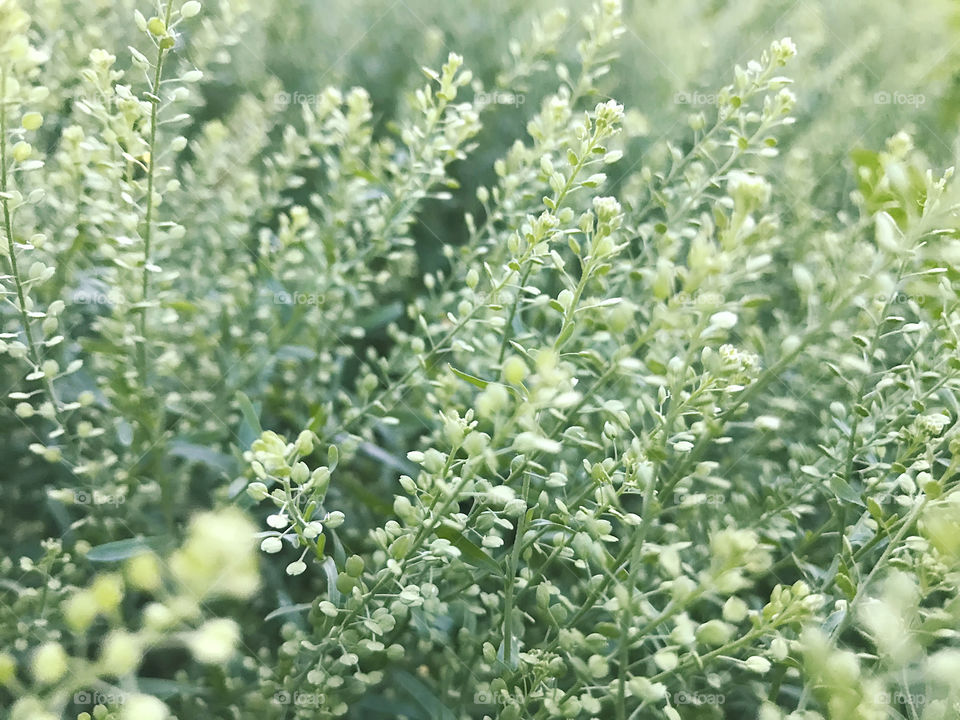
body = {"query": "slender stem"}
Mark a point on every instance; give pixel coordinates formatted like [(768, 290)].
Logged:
[(32, 346), (148, 220), (511, 575), (626, 619), (557, 202)]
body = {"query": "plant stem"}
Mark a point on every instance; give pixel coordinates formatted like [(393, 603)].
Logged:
[(32, 346), (148, 219), (626, 619), (511, 575)]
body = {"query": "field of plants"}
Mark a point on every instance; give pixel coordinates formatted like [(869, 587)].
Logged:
[(481, 359)]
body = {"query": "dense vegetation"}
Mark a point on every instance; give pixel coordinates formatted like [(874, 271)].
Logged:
[(378, 359)]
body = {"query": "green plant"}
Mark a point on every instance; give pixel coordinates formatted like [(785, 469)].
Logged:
[(532, 412)]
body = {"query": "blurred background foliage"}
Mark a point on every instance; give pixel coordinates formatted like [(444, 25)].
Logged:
[(864, 72)]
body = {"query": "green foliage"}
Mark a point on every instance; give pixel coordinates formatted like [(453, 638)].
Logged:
[(607, 369)]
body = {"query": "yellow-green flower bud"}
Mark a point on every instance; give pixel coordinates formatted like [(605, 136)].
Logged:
[(107, 592), (49, 663), (8, 668), (143, 572), (714, 633), (22, 151), (31, 120), (120, 654), (80, 610), (156, 26), (514, 370), (214, 641)]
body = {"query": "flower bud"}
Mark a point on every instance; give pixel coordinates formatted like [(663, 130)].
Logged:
[(334, 519), (80, 610), (258, 491), (22, 151), (271, 544), (143, 571), (214, 641), (190, 9), (757, 664), (514, 370), (354, 566), (144, 707), (120, 654), (49, 663), (297, 567), (714, 633), (8, 668), (107, 592), (31, 120), (156, 26)]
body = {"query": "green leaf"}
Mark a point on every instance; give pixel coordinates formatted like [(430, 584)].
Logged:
[(163, 688), (330, 570), (473, 380), (123, 549), (383, 315), (287, 610), (842, 490), (203, 455), (422, 694), (471, 551), (250, 416), (514, 654), (845, 585)]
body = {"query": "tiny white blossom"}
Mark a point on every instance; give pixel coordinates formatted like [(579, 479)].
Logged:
[(278, 521)]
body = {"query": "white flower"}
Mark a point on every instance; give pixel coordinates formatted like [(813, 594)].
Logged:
[(271, 544), (723, 319), (278, 521), (49, 663), (144, 707), (298, 567), (214, 641), (334, 519), (748, 191), (190, 9), (766, 422), (757, 664)]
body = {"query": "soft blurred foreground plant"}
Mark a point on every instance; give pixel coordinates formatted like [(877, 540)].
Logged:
[(606, 427)]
